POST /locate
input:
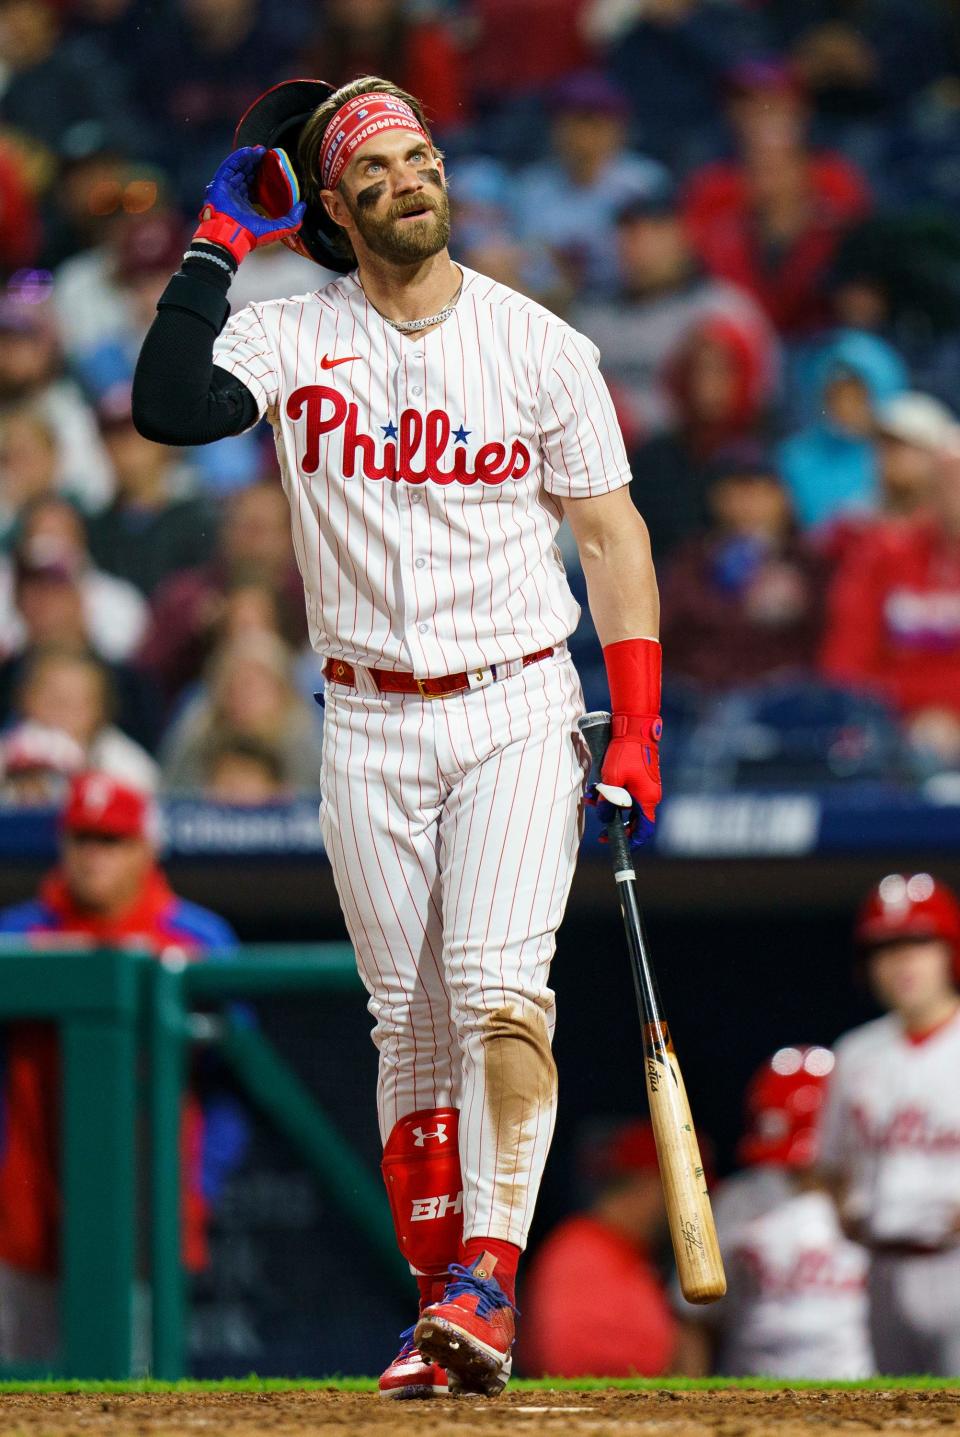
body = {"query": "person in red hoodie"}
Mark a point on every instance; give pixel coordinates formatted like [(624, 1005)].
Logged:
[(594, 1303), (107, 890), (771, 219), (894, 615)]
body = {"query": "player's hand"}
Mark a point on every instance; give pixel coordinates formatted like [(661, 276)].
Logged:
[(252, 176), (632, 761)]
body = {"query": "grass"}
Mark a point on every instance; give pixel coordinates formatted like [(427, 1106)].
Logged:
[(556, 1384)]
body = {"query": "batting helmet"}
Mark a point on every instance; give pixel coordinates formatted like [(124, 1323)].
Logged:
[(783, 1101), (276, 121), (910, 906)]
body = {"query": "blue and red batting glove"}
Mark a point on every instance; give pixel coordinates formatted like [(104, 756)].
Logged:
[(632, 760), (252, 176)]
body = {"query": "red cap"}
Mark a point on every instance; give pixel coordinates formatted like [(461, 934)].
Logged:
[(910, 906), (783, 1103), (97, 803)]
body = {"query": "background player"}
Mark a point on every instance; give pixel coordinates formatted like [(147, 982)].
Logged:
[(108, 889), (796, 1303), (891, 1128), (433, 427)]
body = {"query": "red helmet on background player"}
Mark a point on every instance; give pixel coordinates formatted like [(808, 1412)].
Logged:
[(783, 1103), (910, 906)]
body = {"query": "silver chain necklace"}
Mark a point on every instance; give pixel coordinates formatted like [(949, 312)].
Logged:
[(413, 326)]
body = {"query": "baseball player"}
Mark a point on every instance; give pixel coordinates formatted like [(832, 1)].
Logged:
[(433, 429), (890, 1140), (796, 1302)]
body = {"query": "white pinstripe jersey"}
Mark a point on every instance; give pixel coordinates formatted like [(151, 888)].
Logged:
[(891, 1125), (424, 477)]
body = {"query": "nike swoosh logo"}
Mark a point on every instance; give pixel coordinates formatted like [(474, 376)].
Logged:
[(328, 363)]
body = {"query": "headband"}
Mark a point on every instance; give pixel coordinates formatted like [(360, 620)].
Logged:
[(355, 123)]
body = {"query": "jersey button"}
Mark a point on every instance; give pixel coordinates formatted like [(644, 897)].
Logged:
[(423, 628), (416, 497), (417, 390), (420, 563)]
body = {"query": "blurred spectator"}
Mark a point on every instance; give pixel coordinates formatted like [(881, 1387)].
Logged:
[(245, 772), (187, 611), (107, 890), (483, 233), (670, 57), (771, 220), (151, 529), (744, 601), (52, 542), (911, 430), (593, 1302), (71, 691), (519, 47), (567, 204), (796, 1301), (36, 763), (830, 466), (199, 64), (894, 615), (49, 89), (106, 297), (383, 37), (721, 381), (94, 187), (250, 692), (29, 462), (860, 60), (30, 373), (661, 295)]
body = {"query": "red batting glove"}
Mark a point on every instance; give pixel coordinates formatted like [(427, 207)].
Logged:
[(633, 758)]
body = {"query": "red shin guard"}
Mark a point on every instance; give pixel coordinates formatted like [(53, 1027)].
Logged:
[(421, 1170)]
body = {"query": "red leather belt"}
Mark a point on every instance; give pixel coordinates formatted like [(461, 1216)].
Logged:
[(391, 681)]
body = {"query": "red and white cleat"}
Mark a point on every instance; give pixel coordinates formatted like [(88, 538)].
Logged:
[(471, 1330), (411, 1375)]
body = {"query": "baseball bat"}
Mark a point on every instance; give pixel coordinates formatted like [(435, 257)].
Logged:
[(692, 1229)]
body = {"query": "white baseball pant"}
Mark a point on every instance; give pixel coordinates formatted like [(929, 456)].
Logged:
[(452, 827)]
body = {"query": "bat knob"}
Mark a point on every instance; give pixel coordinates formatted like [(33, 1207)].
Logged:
[(615, 795)]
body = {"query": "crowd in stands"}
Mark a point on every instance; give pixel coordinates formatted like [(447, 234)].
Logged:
[(748, 205)]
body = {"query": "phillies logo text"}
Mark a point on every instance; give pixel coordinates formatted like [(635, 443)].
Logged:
[(418, 437)]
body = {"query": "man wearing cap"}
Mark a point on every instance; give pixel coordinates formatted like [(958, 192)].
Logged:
[(107, 890), (594, 1303), (893, 613), (567, 203), (661, 295), (890, 1131)]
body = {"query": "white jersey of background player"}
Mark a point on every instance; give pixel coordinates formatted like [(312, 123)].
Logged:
[(891, 1127), (796, 1302), (433, 429)]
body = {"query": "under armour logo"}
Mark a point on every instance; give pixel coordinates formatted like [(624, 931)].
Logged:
[(420, 1137)]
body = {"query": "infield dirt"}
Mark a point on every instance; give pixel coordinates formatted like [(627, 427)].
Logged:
[(555, 1414)]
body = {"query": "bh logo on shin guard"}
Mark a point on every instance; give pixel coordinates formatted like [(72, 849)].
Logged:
[(430, 1208), (439, 1133)]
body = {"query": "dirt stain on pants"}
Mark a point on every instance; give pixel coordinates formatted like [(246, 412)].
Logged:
[(521, 1091)]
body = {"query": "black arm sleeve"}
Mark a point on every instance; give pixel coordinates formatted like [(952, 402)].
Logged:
[(179, 395)]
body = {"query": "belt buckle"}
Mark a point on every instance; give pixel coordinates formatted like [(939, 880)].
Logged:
[(422, 691)]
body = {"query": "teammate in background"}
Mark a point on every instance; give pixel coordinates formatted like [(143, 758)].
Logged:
[(796, 1303), (890, 1141), (594, 1305), (107, 890), (433, 429)]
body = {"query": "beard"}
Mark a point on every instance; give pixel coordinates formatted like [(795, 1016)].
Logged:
[(404, 241)]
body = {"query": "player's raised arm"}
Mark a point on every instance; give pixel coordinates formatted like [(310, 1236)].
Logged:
[(180, 396)]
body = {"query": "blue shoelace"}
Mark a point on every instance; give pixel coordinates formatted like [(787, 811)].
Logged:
[(491, 1296), (406, 1339)]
